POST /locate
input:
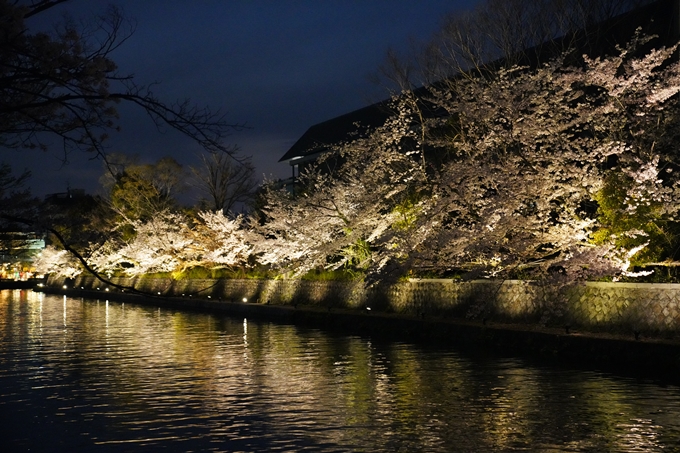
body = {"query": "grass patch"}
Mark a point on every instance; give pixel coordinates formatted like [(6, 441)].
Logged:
[(201, 273), (329, 275)]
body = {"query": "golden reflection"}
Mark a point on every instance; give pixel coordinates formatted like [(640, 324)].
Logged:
[(159, 362), (35, 310), (609, 409), (509, 403)]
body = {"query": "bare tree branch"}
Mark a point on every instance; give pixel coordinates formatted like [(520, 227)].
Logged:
[(65, 84)]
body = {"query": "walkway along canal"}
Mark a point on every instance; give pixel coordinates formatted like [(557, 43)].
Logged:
[(626, 326)]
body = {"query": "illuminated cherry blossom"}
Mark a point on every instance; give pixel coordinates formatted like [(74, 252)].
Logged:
[(558, 170)]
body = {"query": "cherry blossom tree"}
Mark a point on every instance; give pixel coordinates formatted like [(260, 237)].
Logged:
[(518, 182), (339, 217), (561, 172), (162, 243), (172, 242), (529, 152), (57, 262), (223, 241)]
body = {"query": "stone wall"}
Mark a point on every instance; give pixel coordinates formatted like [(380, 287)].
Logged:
[(652, 309)]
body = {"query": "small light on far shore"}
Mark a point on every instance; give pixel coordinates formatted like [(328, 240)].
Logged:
[(368, 308), (245, 299), (65, 287)]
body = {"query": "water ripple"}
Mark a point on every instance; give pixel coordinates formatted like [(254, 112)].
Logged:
[(81, 374)]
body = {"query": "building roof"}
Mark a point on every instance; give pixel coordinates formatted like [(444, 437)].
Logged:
[(660, 18), (321, 136)]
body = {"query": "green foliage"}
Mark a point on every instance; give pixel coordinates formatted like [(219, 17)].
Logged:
[(620, 217), (256, 273), (332, 275), (661, 274), (197, 272), (153, 275), (201, 272), (139, 192), (407, 212), (357, 255)]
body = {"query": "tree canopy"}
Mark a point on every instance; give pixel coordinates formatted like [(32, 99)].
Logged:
[(142, 191)]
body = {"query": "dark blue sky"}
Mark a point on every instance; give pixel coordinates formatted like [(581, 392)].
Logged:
[(279, 65)]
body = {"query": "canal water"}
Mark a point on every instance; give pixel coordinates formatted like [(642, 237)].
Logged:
[(92, 375)]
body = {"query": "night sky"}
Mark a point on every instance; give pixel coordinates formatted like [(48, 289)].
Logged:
[(278, 66)]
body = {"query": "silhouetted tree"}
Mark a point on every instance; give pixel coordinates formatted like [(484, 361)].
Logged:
[(225, 181), (65, 84), (507, 32), (15, 202)]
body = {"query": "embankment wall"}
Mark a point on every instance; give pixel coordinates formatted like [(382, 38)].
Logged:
[(651, 310)]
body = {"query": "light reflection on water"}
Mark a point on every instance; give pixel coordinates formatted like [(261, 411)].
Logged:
[(82, 374)]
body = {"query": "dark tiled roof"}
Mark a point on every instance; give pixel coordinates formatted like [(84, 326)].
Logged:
[(321, 136)]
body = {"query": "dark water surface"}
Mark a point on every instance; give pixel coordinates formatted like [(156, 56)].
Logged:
[(87, 375)]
